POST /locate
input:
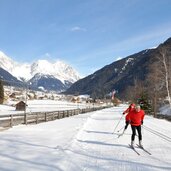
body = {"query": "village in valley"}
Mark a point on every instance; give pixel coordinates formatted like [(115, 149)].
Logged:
[(17, 96)]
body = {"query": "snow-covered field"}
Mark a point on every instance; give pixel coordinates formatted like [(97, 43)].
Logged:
[(85, 143), (43, 106)]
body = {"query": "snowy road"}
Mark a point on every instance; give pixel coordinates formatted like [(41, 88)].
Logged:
[(85, 143)]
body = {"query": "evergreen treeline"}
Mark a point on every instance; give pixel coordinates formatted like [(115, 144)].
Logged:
[(1, 92)]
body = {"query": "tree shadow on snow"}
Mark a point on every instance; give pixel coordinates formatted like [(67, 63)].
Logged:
[(103, 132), (98, 132), (101, 143)]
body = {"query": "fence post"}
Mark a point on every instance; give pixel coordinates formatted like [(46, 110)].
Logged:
[(37, 118), (53, 116), (63, 114), (25, 118), (11, 122), (45, 117), (58, 115)]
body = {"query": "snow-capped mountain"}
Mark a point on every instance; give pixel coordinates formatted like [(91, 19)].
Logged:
[(59, 70), (46, 82), (40, 69), (6, 63), (15, 68)]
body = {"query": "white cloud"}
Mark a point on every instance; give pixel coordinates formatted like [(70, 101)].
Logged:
[(76, 28)]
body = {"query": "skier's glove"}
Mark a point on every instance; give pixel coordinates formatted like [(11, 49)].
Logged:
[(141, 122), (127, 122)]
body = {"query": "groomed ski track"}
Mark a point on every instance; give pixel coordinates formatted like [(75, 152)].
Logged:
[(86, 143)]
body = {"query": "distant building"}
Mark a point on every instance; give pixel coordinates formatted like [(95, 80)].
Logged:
[(13, 95), (75, 100), (21, 106)]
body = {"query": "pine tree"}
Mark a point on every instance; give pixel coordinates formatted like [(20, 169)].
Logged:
[(1, 92), (144, 102)]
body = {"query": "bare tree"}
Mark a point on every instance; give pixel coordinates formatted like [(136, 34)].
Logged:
[(164, 58), (154, 85), (159, 78)]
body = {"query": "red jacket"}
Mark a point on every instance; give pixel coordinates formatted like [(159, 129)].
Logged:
[(136, 118), (128, 110), (127, 117)]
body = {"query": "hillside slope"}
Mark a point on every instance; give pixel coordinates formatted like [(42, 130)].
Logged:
[(121, 74)]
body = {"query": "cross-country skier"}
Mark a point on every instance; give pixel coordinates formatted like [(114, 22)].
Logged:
[(136, 118), (127, 112)]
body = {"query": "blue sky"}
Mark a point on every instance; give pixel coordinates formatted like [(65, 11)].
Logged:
[(86, 34)]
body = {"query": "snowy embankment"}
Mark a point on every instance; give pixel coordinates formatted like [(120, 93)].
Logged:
[(85, 143), (165, 110)]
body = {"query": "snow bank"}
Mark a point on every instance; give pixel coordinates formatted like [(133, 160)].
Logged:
[(165, 110)]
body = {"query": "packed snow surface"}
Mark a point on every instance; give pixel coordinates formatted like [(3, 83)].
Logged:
[(85, 142)]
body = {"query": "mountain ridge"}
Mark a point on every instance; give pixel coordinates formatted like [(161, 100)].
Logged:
[(61, 74), (119, 75)]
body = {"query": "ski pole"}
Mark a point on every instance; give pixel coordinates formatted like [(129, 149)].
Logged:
[(117, 124), (142, 128), (121, 129)]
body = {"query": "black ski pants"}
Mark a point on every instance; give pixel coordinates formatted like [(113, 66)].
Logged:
[(126, 124), (134, 128)]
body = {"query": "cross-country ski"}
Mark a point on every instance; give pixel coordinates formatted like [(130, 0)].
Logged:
[(133, 148), (144, 149)]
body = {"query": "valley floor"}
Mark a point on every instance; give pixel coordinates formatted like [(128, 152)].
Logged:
[(85, 143)]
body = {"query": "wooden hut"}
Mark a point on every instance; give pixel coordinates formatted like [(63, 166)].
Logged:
[(21, 106)]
